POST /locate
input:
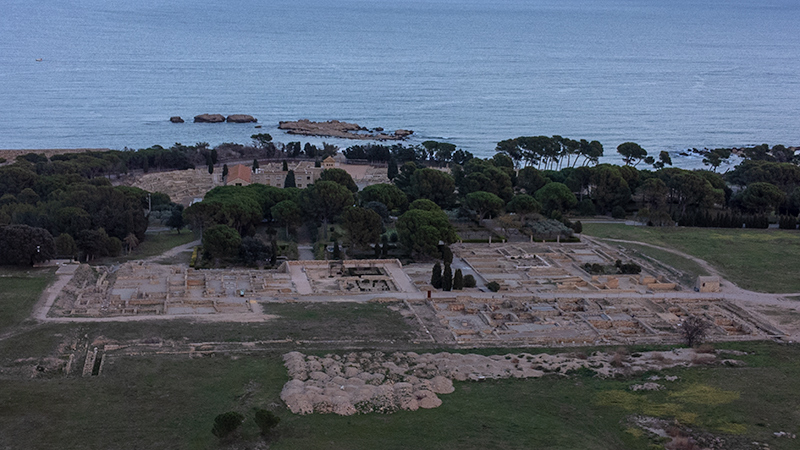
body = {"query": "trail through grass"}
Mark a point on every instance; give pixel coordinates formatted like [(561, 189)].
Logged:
[(759, 260)]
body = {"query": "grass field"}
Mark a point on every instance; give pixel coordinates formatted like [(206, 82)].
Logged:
[(19, 291), (153, 245), (759, 260), (160, 401), (170, 402)]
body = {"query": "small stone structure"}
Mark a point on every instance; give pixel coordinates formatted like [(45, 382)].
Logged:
[(708, 284)]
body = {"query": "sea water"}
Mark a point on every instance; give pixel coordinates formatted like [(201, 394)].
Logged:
[(669, 74)]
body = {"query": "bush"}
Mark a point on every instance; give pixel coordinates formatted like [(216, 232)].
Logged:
[(266, 421), (469, 281), (493, 286), (226, 423), (618, 212), (630, 268)]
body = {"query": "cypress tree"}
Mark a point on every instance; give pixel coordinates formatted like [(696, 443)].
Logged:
[(447, 278), (224, 170), (273, 258), (436, 276), (289, 181), (285, 166), (392, 171), (447, 255), (458, 280), (210, 169), (255, 164)]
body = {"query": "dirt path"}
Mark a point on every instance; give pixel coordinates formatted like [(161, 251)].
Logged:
[(173, 251), (776, 309), (705, 265)]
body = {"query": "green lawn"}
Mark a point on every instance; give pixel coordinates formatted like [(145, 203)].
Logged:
[(759, 260), (153, 245), (20, 289)]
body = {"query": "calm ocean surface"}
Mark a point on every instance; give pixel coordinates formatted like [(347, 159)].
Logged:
[(668, 74)]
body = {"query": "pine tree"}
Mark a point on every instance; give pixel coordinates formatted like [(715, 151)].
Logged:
[(289, 181), (436, 276), (447, 278), (458, 280)]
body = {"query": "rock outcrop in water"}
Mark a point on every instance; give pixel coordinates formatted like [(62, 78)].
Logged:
[(176, 119), (218, 118), (209, 118), (335, 128), (241, 118)]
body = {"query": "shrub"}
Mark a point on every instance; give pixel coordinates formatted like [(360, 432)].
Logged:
[(226, 423), (469, 281), (493, 286), (266, 421), (618, 212)]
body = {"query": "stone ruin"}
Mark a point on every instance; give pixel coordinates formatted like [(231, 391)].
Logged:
[(585, 321), (539, 268), (360, 383), (137, 288), (364, 276)]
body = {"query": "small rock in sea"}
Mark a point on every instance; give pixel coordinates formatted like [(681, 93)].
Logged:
[(176, 119)]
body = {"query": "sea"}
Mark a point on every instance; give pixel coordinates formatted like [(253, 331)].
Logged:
[(670, 74)]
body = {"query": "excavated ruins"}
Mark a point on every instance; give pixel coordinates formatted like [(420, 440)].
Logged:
[(586, 321), (359, 383), (136, 288)]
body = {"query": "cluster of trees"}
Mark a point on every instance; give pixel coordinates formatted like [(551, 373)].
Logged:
[(630, 268), (25, 245), (87, 216), (445, 279), (555, 152), (429, 152)]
